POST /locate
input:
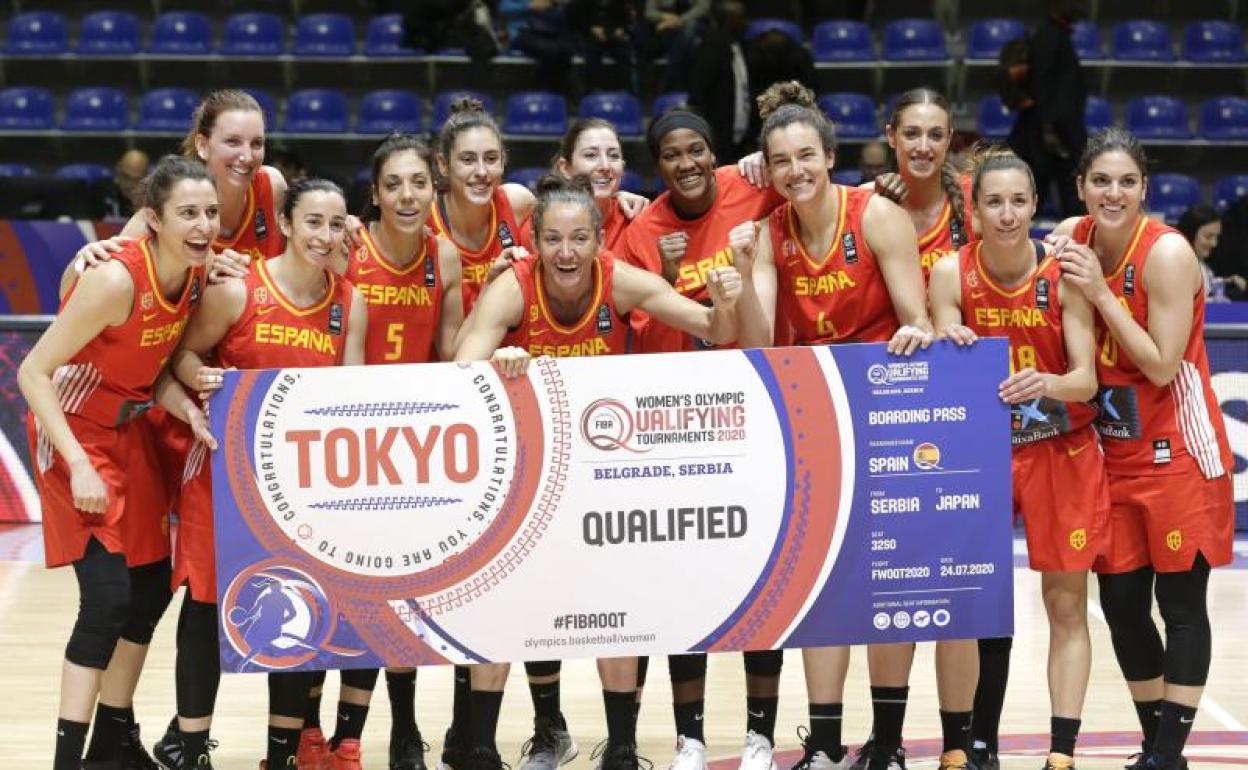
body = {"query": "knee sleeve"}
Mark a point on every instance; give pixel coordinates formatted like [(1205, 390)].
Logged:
[(360, 678), (103, 606), (150, 595), (197, 669), (686, 668), (997, 646), (317, 679), (288, 693), (763, 662), (1127, 599), (542, 667), (1189, 640), (643, 668)]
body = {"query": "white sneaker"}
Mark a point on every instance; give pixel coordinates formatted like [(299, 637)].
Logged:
[(757, 754), (690, 754)]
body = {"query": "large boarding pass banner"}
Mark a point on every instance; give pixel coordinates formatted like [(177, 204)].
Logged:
[(793, 497)]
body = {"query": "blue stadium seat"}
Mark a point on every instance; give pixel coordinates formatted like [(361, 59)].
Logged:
[(632, 182), (37, 33), (253, 34), (384, 37), (758, 27), (988, 35), (382, 112), (268, 105), (1087, 39), (619, 107), (1097, 114), (325, 34), (1224, 118), (115, 33), (1158, 117), (96, 109), (1172, 194), (853, 114), (1213, 41), (995, 119), (15, 169), (1142, 40), (535, 113), (167, 109), (914, 40), (850, 177), (185, 33), (526, 176), (1228, 189), (442, 105), (26, 108), (91, 172), (316, 111), (665, 102), (843, 41)]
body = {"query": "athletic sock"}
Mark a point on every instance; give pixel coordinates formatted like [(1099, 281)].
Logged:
[(994, 673), (484, 705), (70, 738), (761, 716), (825, 729), (350, 724), (1173, 727), (312, 718), (545, 699), (283, 744), (888, 710), (1063, 732), (401, 686), (621, 729), (461, 709), (110, 726), (1148, 712), (193, 745), (955, 731), (689, 719)]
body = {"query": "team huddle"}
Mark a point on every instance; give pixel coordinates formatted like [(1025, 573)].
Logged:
[(1126, 474)]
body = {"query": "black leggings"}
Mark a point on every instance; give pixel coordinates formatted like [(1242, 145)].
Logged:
[(114, 602), (198, 666), (359, 678)]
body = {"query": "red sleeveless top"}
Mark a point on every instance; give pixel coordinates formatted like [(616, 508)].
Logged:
[(601, 331), (503, 234), (404, 303), (258, 234)]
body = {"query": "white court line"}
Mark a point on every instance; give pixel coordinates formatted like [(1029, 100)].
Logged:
[(1211, 706)]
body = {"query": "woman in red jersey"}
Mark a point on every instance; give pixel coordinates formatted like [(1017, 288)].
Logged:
[(574, 299), (236, 327), (1007, 285), (864, 285), (86, 380), (1166, 451)]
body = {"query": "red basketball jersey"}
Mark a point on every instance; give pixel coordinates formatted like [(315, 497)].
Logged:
[(948, 234), (1147, 428), (503, 234), (841, 297), (258, 235), (601, 331), (404, 303), (1030, 316)]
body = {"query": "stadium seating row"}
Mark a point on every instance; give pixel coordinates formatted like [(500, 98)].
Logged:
[(190, 33), (1223, 119)]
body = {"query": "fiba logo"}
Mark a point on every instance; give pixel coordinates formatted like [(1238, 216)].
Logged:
[(607, 425), (276, 617), (927, 456)]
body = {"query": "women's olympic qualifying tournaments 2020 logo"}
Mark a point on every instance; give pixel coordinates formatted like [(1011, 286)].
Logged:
[(607, 424), (276, 617)]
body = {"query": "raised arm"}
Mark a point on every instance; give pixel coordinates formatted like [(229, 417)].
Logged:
[(756, 310), (648, 292)]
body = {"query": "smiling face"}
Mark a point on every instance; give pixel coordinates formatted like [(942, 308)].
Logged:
[(1006, 205), (1206, 239), (317, 227), (234, 150), (403, 191), (1113, 189), (798, 164), (566, 245), (920, 139), (188, 221), (475, 166), (597, 154), (687, 166)]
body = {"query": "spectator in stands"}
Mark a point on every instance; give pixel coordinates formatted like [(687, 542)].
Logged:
[(719, 88), (288, 161), (1049, 133), (1202, 227), (605, 27), (126, 195), (433, 25), (774, 57), (790, 10), (672, 28), (873, 160), (1230, 257), (541, 29)]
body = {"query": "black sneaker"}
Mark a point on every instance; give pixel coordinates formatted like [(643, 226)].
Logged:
[(550, 747), (168, 750), (622, 757), (815, 759), (482, 758), (133, 755), (882, 758), (985, 759), (408, 752), (863, 754), (455, 750), (1150, 761)]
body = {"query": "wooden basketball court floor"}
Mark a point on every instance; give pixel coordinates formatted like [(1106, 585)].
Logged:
[(37, 606)]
